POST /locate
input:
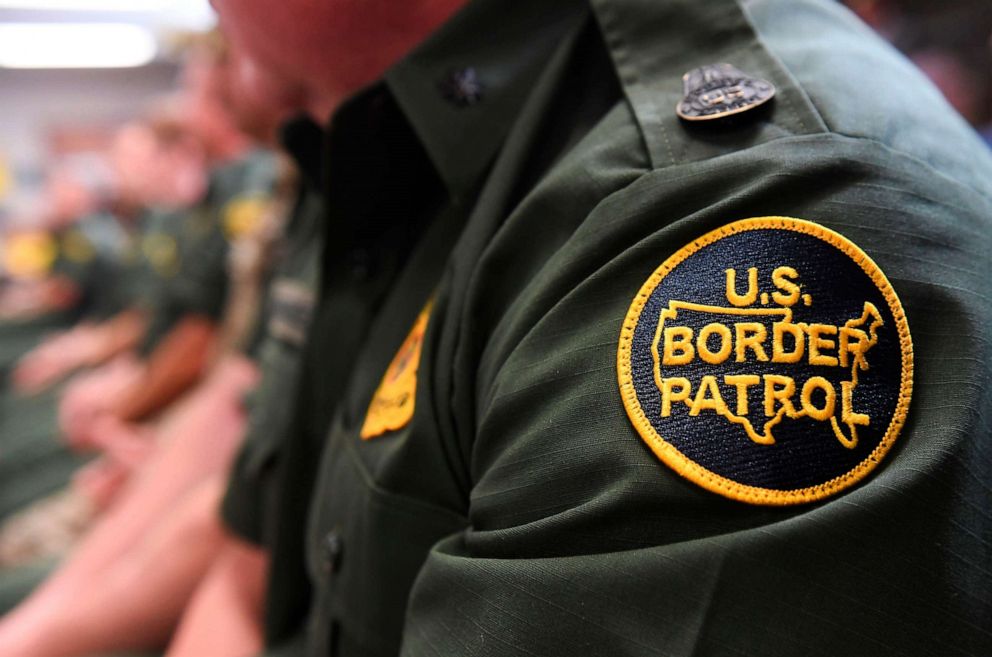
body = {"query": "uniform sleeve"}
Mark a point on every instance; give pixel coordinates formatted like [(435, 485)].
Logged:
[(582, 541), (243, 500), (239, 195), (249, 507), (105, 273), (198, 287), (201, 285), (249, 502)]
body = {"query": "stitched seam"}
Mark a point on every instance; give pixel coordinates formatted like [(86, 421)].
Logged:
[(398, 501), (604, 15), (913, 158), (760, 41), (830, 133)]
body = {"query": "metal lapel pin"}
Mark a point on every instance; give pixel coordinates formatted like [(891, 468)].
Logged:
[(718, 90)]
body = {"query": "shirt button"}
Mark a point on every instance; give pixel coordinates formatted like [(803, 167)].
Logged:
[(331, 547), (360, 264), (462, 87)]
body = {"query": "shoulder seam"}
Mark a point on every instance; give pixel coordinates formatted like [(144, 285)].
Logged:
[(913, 158)]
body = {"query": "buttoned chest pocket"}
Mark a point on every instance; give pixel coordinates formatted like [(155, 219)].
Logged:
[(367, 545)]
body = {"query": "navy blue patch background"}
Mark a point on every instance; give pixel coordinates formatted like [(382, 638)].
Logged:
[(806, 452)]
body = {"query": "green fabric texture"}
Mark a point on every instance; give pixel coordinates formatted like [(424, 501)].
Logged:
[(86, 253), (519, 512), (89, 253), (176, 265), (295, 647), (34, 461), (197, 281), (19, 337), (249, 503), (16, 584)]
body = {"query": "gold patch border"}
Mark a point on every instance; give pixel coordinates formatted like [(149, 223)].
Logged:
[(719, 484)]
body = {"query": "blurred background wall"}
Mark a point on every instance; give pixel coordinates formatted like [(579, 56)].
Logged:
[(66, 81), (62, 93)]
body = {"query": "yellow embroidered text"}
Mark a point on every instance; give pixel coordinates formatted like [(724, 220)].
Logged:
[(763, 336)]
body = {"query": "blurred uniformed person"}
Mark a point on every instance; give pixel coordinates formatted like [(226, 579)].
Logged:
[(291, 296), (54, 270), (677, 340), (33, 461), (171, 500), (173, 312)]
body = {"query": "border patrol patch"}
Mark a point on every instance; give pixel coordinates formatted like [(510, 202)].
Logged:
[(769, 361), (242, 216), (393, 403)]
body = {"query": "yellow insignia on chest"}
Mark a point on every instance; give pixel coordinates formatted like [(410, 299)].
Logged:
[(392, 405), (769, 361), (242, 216), (162, 252), (77, 248), (30, 254)]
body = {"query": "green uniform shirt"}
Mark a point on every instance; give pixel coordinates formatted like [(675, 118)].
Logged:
[(249, 506), (84, 256), (363, 251), (194, 262), (87, 254), (176, 264), (519, 506)]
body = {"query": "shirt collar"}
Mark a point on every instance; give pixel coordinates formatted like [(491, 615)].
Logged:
[(654, 42), (498, 49), (303, 140)]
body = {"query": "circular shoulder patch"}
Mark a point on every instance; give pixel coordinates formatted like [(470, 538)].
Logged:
[(769, 361)]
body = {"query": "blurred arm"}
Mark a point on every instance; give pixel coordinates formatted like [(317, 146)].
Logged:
[(175, 365), (85, 345), (136, 602), (224, 617)]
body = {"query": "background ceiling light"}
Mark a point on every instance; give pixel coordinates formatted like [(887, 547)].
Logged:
[(88, 5), (75, 45)]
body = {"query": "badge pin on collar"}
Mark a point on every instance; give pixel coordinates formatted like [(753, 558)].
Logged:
[(718, 90)]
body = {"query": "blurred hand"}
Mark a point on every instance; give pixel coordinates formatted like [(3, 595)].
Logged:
[(126, 447), (55, 358), (26, 299), (91, 396), (128, 444), (99, 481)]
